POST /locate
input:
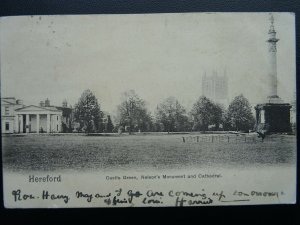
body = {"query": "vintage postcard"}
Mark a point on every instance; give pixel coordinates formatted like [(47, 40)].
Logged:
[(139, 110)]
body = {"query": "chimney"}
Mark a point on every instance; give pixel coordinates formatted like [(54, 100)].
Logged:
[(19, 102), (47, 103), (65, 104)]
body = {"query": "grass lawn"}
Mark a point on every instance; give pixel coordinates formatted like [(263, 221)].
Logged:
[(78, 152)]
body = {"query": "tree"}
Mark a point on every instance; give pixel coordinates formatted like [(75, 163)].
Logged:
[(239, 116), (204, 113), (158, 126), (101, 125), (132, 112), (218, 113), (109, 126), (87, 112), (172, 116)]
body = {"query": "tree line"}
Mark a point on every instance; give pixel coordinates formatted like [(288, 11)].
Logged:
[(170, 115)]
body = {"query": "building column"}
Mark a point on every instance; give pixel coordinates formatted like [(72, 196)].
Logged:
[(27, 123), (59, 124), (21, 124), (262, 116), (37, 123), (17, 124), (48, 123)]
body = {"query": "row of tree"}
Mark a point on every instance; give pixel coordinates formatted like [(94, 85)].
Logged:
[(170, 115)]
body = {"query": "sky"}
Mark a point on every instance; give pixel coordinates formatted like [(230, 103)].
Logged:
[(157, 55)]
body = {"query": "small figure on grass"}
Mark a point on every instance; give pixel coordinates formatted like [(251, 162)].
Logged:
[(262, 131), (120, 130), (262, 135)]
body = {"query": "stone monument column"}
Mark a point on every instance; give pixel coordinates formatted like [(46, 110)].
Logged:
[(272, 95), (273, 116), (272, 60)]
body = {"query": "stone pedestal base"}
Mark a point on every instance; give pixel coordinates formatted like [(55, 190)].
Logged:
[(273, 117), (274, 100)]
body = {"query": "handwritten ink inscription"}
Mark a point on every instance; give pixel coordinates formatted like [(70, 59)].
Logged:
[(120, 197), (45, 195)]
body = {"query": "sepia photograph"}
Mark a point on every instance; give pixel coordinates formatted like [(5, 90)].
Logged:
[(138, 110)]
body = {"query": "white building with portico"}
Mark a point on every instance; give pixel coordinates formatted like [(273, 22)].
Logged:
[(8, 107), (37, 119)]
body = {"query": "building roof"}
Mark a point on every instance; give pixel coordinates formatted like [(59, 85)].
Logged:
[(66, 111), (11, 101), (39, 108), (8, 102)]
